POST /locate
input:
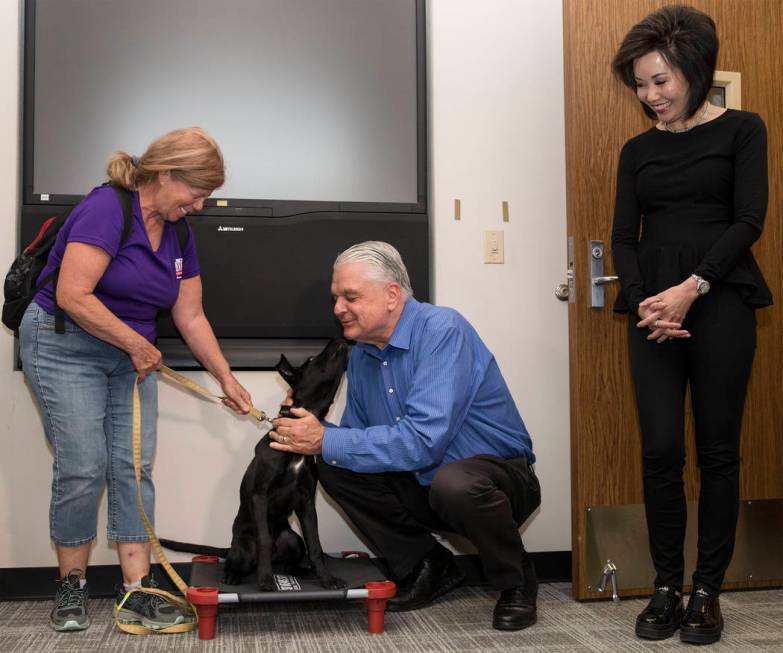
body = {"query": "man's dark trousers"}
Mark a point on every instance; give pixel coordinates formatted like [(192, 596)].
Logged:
[(483, 498)]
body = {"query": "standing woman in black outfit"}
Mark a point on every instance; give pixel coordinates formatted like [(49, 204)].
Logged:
[(691, 199)]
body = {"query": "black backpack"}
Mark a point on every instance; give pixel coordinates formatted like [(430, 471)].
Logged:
[(21, 282)]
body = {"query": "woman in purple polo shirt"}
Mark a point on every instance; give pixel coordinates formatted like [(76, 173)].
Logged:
[(83, 380)]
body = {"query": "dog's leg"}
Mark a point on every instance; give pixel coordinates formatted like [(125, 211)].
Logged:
[(289, 550), (308, 520), (241, 558), (264, 544)]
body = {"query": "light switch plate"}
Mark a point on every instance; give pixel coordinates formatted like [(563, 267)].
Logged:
[(493, 247)]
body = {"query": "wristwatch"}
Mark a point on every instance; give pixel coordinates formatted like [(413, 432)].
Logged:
[(702, 285)]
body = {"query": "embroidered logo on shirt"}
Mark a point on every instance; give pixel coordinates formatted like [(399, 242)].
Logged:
[(178, 267)]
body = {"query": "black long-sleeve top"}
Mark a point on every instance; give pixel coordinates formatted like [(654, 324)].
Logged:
[(699, 199)]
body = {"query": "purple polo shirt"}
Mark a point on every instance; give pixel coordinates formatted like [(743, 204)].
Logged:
[(138, 282)]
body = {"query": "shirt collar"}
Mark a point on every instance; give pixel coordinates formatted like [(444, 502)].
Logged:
[(401, 336)]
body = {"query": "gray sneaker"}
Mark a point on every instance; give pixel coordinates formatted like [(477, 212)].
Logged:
[(150, 610), (70, 604)]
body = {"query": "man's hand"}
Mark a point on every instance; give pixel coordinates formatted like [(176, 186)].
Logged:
[(301, 435)]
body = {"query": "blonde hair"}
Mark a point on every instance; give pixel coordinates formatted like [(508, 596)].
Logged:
[(191, 155)]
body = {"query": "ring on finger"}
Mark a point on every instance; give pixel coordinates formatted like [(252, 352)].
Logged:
[(655, 324)]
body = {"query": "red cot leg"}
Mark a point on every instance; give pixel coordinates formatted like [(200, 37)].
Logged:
[(378, 593), (205, 599)]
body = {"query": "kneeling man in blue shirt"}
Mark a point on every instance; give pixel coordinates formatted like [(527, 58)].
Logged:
[(430, 440)]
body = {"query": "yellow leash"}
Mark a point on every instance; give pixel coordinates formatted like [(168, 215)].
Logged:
[(260, 415), (191, 615)]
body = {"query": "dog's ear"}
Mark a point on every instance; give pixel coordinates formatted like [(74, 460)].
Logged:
[(285, 370)]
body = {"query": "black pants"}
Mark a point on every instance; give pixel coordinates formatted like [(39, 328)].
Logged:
[(484, 498), (716, 361)]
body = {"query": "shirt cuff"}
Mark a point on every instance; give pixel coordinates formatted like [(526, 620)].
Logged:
[(704, 274), (332, 451)]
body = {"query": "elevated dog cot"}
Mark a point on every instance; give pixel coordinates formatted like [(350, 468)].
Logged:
[(362, 576)]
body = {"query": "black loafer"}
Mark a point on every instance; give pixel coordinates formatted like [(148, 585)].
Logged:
[(702, 622), (433, 577), (516, 608), (662, 616)]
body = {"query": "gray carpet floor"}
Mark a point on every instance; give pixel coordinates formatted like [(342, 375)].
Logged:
[(459, 622)]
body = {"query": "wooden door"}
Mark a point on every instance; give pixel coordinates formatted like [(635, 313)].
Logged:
[(601, 115)]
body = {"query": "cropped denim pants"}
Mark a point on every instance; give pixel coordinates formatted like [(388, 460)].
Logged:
[(84, 389)]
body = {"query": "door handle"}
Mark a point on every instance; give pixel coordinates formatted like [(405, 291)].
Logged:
[(597, 278)]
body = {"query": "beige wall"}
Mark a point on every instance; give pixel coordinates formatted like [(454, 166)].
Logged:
[(496, 132)]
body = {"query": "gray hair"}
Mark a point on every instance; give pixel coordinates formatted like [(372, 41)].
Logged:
[(384, 260)]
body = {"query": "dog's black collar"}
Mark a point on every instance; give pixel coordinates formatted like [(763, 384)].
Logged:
[(285, 411)]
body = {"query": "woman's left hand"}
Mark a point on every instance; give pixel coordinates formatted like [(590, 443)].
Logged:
[(236, 397), (665, 312)]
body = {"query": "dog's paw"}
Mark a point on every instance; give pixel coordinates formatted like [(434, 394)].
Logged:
[(332, 583), (230, 578), (267, 583)]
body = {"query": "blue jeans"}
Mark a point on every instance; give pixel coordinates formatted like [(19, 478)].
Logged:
[(84, 389)]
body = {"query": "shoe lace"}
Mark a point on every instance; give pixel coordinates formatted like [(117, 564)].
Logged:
[(153, 600), (661, 595), (701, 602), (69, 596)]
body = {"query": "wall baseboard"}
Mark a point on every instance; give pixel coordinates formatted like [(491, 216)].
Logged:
[(551, 567), (37, 583)]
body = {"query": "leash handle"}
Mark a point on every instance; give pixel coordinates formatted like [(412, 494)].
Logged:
[(183, 380)]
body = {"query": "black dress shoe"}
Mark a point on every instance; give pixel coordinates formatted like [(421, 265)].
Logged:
[(434, 576), (702, 622), (516, 608), (662, 615)]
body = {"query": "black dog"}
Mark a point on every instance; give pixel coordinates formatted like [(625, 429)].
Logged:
[(277, 483)]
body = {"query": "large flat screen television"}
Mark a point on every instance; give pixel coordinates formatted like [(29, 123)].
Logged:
[(319, 107)]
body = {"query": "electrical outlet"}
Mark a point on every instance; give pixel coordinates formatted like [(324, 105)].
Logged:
[(493, 247)]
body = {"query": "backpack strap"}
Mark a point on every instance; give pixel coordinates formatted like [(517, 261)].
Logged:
[(183, 234), (59, 314), (126, 202), (125, 198)]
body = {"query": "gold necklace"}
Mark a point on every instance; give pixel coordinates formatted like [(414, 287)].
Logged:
[(696, 123)]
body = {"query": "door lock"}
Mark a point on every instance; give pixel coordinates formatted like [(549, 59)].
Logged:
[(597, 278), (565, 291)]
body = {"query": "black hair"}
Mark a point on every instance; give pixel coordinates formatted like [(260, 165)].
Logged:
[(686, 39)]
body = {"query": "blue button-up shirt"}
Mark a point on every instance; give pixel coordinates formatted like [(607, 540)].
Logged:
[(433, 395)]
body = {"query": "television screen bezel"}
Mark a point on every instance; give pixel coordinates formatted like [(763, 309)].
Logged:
[(234, 206)]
